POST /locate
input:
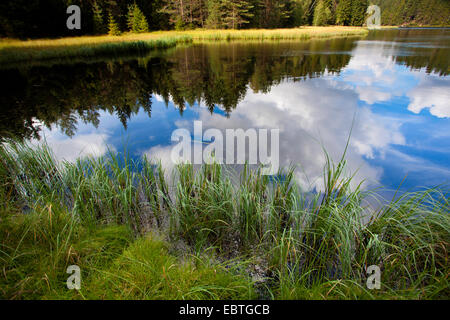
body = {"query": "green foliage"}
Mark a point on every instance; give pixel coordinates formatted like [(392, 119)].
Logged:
[(136, 20), (311, 244), (351, 12), (215, 14), (414, 12), (276, 13), (185, 14), (344, 12), (113, 27), (204, 208), (359, 8), (146, 270), (36, 250), (236, 13), (25, 19), (299, 14), (97, 19), (314, 245), (179, 25), (322, 14)]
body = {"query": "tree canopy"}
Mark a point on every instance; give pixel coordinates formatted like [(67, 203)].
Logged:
[(47, 18)]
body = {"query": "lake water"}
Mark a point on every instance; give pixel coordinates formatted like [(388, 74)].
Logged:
[(391, 87)]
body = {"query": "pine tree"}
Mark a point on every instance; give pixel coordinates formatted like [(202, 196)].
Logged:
[(215, 14), (113, 27), (185, 13), (97, 17), (322, 14), (284, 11), (298, 14), (143, 24), (302, 12), (136, 20), (344, 12), (359, 8), (237, 13), (130, 17), (331, 4)]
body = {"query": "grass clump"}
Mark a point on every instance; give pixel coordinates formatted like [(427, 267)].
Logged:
[(251, 201), (204, 211), (37, 248), (104, 214), (146, 270)]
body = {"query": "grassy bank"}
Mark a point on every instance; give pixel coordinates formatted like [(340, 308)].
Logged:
[(91, 46), (136, 235)]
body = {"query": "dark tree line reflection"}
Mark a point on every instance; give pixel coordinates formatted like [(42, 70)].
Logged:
[(430, 53), (216, 75)]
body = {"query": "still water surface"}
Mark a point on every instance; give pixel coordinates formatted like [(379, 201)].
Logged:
[(392, 85)]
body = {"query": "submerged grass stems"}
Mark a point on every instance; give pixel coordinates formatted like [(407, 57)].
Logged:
[(107, 214), (111, 46)]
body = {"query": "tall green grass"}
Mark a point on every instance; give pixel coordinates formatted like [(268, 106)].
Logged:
[(305, 245)]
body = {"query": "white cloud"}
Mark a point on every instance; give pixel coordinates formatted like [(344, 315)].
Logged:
[(433, 93), (88, 141), (69, 149), (306, 119)]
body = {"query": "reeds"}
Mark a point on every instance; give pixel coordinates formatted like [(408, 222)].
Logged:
[(312, 245)]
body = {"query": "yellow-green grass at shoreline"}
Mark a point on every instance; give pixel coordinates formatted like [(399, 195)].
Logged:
[(12, 50)]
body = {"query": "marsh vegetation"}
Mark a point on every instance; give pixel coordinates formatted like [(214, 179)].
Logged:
[(135, 233)]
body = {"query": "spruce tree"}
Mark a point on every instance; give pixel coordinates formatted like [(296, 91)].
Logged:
[(331, 5), (215, 14), (322, 14), (130, 17), (359, 8), (142, 24), (113, 27), (237, 13), (298, 13), (136, 20), (97, 17), (344, 12)]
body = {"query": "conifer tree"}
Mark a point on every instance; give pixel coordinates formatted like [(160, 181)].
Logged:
[(344, 12), (322, 14), (136, 20), (237, 13), (215, 14), (97, 17), (113, 27), (359, 8)]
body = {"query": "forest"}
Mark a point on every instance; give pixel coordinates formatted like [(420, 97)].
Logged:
[(47, 18)]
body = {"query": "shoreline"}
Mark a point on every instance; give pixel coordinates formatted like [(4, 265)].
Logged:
[(89, 46), (260, 239)]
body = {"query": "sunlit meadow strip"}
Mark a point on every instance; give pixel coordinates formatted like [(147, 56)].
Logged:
[(92, 46)]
